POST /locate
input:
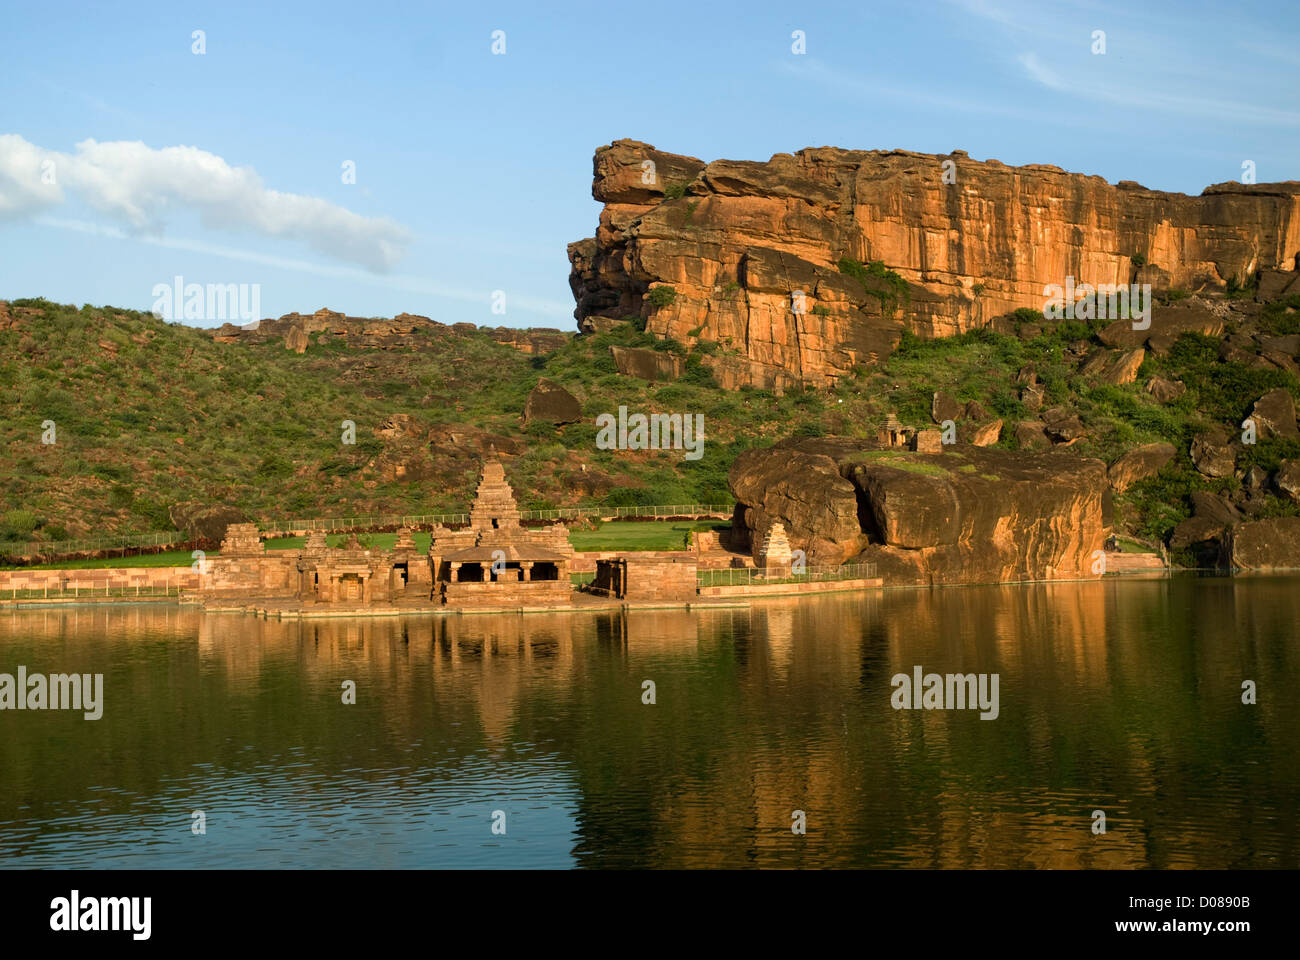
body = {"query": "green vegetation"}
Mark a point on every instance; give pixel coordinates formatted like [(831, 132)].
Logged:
[(169, 558), (174, 417), (675, 191), (662, 296), (169, 416), (638, 535), (878, 281)]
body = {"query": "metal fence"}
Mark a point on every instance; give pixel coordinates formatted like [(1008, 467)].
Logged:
[(88, 590), (418, 521), (13, 549), (743, 576)]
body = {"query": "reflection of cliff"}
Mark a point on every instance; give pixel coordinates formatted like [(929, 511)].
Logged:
[(1123, 696)]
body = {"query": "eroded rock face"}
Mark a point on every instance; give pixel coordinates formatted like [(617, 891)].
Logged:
[(965, 515), (736, 241)]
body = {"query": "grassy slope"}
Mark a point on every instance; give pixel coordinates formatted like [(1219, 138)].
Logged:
[(172, 416)]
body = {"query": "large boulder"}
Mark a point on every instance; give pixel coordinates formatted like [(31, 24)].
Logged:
[(985, 435), (1168, 322), (1274, 414), (966, 515), (1113, 366), (647, 364), (1030, 435), (1272, 544), (1062, 425), (1138, 464), (205, 521), (797, 483), (1165, 391), (1217, 509), (548, 402), (1212, 454), (944, 406), (1287, 479), (974, 515)]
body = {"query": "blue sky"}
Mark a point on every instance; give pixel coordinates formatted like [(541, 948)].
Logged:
[(473, 170)]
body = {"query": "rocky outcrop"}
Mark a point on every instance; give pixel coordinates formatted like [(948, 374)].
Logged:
[(548, 402), (1168, 323), (798, 484), (1165, 391), (1213, 454), (204, 521), (649, 365), (966, 515), (404, 331), (1113, 366), (1287, 480), (1274, 415), (749, 251)]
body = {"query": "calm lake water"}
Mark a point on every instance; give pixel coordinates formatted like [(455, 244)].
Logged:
[(1123, 696)]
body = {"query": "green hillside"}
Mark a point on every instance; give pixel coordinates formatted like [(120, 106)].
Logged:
[(150, 415)]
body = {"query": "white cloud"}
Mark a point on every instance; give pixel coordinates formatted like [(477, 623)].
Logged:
[(135, 184), (1040, 73), (24, 189)]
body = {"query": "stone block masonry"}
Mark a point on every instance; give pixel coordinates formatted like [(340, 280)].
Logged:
[(111, 578)]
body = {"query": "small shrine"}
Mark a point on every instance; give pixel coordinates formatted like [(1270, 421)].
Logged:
[(496, 559), (774, 554)]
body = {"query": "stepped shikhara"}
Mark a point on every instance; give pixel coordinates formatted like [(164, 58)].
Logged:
[(736, 240)]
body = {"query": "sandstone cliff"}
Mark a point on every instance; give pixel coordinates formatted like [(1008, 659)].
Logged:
[(966, 515), (733, 241)]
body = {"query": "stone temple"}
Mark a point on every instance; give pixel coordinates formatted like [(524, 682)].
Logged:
[(494, 562), (496, 555)]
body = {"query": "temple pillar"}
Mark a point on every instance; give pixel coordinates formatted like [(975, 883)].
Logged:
[(527, 568), (455, 572)]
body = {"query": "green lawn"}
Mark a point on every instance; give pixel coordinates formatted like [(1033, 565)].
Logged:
[(638, 535), (172, 558)]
